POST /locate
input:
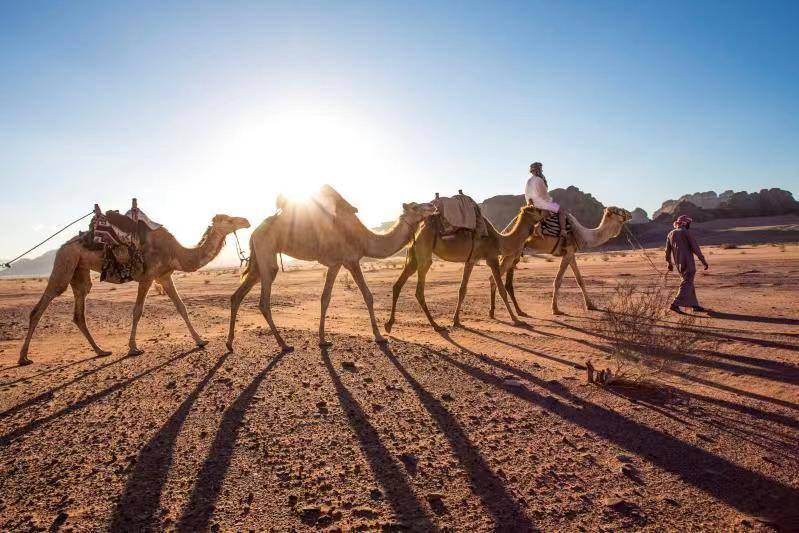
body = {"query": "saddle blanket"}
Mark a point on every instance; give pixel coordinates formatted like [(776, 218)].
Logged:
[(551, 227)]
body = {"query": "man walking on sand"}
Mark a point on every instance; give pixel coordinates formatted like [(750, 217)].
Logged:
[(681, 246)]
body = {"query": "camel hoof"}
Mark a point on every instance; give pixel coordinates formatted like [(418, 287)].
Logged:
[(592, 307), (440, 329), (525, 315), (457, 324), (103, 353), (229, 345), (24, 361), (520, 324), (491, 315), (286, 348), (389, 325), (381, 340), (325, 344), (557, 312), (201, 343), (135, 351)]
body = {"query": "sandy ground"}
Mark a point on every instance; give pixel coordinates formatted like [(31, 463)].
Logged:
[(488, 427)]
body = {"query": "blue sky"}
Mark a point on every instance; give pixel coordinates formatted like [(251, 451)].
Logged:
[(200, 108)]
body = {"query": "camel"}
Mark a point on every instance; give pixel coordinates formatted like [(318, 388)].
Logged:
[(162, 256), (613, 220), (461, 248), (333, 237)]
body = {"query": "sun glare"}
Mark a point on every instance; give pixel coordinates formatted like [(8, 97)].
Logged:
[(297, 151)]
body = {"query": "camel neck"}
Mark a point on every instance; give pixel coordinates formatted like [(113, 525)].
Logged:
[(513, 240), (593, 237), (192, 259), (381, 245)]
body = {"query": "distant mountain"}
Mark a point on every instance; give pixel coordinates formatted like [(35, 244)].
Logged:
[(39, 266), (729, 204), (639, 216)]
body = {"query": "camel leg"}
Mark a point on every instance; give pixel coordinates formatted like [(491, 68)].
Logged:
[(421, 275), (235, 302), (508, 272), (138, 308), (493, 264), (467, 271), (169, 287), (589, 305), (81, 285), (327, 292), (57, 283), (407, 272), (357, 275), (267, 265), (564, 262)]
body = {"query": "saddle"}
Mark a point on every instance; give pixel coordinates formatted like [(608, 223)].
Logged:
[(121, 239), (550, 226), (457, 214)]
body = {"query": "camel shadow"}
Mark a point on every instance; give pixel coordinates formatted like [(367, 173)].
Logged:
[(388, 472), (49, 371), (748, 491), (142, 493), (48, 394), (88, 400), (488, 486), (202, 500)]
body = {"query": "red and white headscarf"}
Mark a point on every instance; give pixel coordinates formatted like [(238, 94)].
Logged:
[(682, 221)]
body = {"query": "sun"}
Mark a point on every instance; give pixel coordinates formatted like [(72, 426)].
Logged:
[(296, 150)]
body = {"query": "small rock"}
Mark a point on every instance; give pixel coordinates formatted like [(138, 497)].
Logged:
[(309, 514), (349, 365), (171, 385), (436, 502), (447, 397), (513, 383), (411, 462), (375, 494), (364, 512)]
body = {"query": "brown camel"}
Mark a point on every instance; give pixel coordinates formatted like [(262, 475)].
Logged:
[(582, 238), (333, 237), (461, 248), (162, 256)]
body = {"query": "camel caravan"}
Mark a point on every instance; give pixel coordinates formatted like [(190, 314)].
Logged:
[(326, 229)]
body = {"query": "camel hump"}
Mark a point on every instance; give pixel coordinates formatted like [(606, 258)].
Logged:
[(328, 194)]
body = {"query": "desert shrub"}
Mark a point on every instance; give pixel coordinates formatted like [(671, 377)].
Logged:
[(605, 257), (781, 247), (728, 246), (646, 338), (347, 281)]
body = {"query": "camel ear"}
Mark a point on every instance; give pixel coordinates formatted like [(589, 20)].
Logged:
[(405, 207)]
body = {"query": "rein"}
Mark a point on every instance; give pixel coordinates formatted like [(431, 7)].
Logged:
[(20, 256)]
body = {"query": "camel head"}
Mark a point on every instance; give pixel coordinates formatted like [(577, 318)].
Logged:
[(619, 215), (225, 224), (414, 213)]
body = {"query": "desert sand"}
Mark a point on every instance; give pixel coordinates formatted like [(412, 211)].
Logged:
[(486, 427)]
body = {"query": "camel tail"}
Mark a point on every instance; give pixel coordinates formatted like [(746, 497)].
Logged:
[(252, 263)]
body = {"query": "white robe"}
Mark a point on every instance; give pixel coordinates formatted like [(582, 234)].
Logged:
[(536, 191)]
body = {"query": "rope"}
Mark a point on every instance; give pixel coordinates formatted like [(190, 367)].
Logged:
[(20, 256), (630, 235), (243, 259)]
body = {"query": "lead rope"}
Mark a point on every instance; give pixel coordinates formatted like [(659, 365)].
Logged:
[(630, 238), (20, 256), (243, 259)]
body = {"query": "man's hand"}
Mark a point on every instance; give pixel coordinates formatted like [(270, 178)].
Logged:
[(707, 266), (670, 267)]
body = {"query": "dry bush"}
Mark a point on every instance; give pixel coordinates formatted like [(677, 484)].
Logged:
[(646, 338), (347, 281), (605, 257), (781, 247), (728, 246)]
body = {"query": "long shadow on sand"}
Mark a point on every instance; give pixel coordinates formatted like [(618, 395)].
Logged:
[(753, 318), (385, 468), (140, 499), (88, 400), (507, 514), (200, 507), (48, 371), (48, 394), (748, 491)]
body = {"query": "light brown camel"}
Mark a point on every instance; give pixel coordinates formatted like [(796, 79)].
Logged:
[(613, 220), (461, 248), (162, 256), (312, 232)]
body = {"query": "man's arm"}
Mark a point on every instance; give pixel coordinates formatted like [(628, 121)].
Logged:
[(696, 250), (669, 254)]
